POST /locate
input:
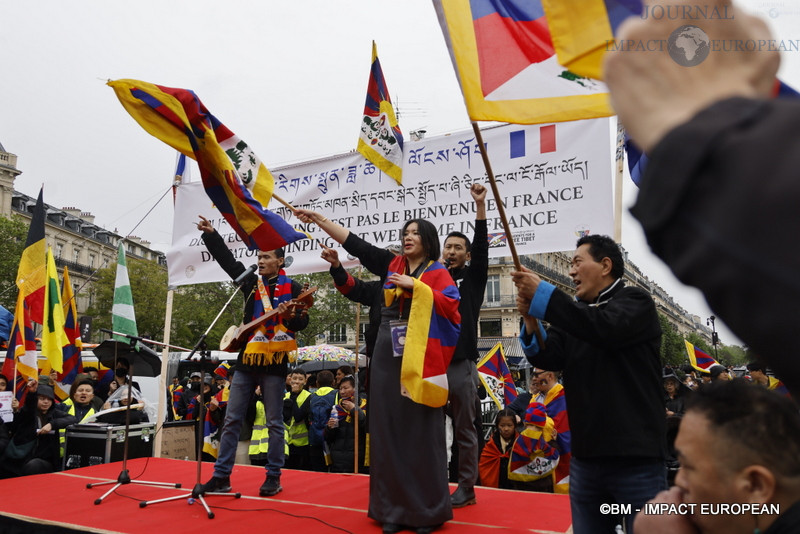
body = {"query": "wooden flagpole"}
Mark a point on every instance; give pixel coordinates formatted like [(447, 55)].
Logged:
[(620, 157), (502, 212), (355, 379), (162, 379)]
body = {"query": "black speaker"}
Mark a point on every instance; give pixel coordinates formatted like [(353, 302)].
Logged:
[(92, 444)]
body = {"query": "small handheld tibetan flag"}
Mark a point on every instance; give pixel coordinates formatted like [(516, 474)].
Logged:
[(699, 359), (496, 377), (380, 139)]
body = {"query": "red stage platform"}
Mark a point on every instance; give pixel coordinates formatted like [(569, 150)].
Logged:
[(310, 502)]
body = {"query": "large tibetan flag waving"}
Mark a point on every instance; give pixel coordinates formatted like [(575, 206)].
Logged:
[(380, 139), (123, 317), (53, 336), (583, 30), (31, 274), (699, 359), (496, 377), (432, 332), (236, 181), (504, 59)]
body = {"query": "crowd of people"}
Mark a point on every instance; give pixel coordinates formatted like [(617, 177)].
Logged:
[(34, 440), (602, 420)]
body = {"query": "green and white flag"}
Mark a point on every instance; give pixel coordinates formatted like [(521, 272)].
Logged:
[(123, 319)]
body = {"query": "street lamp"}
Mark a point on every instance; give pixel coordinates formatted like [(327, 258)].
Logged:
[(714, 336)]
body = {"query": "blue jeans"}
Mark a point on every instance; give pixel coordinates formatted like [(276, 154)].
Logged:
[(244, 384), (609, 481)]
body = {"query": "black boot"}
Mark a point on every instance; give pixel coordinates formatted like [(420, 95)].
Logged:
[(462, 497)]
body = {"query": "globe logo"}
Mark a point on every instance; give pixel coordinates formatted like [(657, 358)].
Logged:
[(688, 46)]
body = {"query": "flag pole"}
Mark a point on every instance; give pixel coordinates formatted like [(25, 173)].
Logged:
[(496, 192), (618, 182), (162, 380), (355, 380), (502, 212)]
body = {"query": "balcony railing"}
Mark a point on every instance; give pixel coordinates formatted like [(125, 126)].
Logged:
[(500, 301), (74, 267)]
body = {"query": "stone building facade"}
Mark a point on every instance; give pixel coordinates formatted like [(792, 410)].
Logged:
[(77, 242)]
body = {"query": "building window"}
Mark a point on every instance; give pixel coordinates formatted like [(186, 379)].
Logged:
[(362, 330), (59, 249), (493, 289), (337, 334), (92, 259), (76, 254), (491, 328)]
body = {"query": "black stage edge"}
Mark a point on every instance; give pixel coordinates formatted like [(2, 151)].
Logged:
[(11, 525)]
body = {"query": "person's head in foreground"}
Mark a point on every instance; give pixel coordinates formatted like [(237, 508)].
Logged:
[(738, 447)]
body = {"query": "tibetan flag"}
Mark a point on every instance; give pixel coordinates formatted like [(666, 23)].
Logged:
[(123, 317), (496, 377), (699, 359), (555, 404), (583, 30), (21, 357), (31, 273), (430, 338), (533, 456), (506, 64), (236, 181), (778, 387), (73, 365), (380, 139), (53, 336)]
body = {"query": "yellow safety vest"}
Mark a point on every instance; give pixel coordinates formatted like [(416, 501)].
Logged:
[(259, 439), (62, 434), (297, 431)]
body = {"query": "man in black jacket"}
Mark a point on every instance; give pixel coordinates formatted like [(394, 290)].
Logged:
[(606, 341), (717, 200), (462, 377), (263, 359)]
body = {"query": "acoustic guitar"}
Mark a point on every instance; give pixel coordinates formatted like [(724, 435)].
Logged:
[(235, 336)]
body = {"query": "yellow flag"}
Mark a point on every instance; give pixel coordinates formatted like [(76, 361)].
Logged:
[(53, 336)]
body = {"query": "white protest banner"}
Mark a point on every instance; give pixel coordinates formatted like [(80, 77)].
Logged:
[(555, 182), (6, 413)]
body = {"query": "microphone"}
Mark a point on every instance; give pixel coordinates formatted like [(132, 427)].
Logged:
[(250, 270), (446, 263)]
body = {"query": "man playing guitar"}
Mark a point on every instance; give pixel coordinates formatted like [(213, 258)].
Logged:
[(262, 359)]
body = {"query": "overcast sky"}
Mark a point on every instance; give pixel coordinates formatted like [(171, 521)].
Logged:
[(288, 77)]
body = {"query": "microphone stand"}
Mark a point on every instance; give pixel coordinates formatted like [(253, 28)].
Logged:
[(197, 492), (124, 476)]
